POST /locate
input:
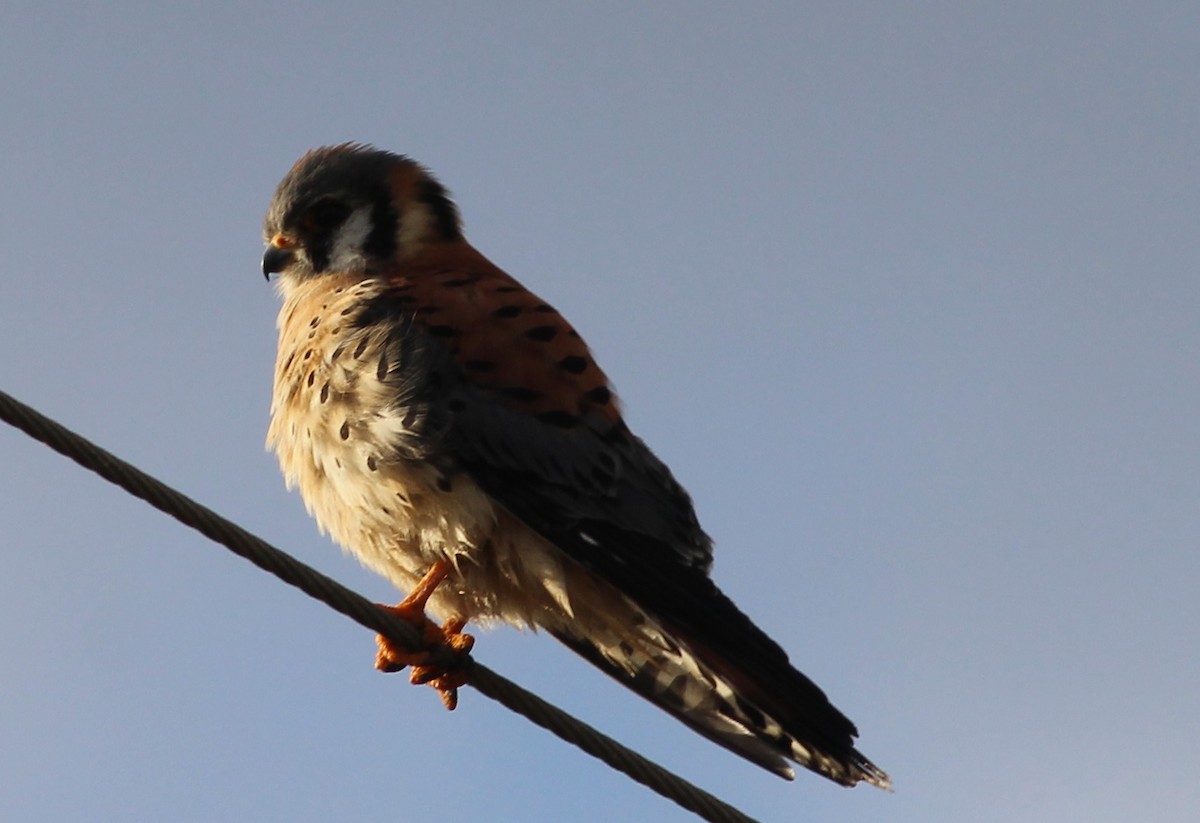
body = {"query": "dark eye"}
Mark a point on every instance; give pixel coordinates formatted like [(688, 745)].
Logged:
[(324, 215)]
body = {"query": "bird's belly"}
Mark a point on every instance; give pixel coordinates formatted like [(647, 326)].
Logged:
[(399, 515), (388, 511)]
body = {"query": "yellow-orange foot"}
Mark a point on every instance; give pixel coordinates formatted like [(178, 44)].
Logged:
[(447, 681), (390, 658)]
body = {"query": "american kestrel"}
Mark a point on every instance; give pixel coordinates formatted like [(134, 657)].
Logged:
[(452, 430)]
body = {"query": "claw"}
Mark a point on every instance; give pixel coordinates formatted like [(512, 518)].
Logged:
[(412, 610)]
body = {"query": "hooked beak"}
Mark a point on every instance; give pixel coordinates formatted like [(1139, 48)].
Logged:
[(278, 256)]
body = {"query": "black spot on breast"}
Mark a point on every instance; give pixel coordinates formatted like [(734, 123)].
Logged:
[(325, 392), (384, 365), (316, 321), (361, 347), (344, 431), (410, 418), (542, 334), (559, 418), (507, 311), (372, 463), (347, 310), (312, 376), (573, 364)]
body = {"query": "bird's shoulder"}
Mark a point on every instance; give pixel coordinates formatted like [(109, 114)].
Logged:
[(503, 337)]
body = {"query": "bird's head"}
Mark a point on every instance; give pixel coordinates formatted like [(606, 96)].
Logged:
[(353, 209)]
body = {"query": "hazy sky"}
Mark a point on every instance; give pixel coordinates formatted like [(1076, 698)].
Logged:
[(906, 294)]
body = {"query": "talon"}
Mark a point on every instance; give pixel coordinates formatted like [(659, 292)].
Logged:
[(446, 682), (391, 658), (447, 688), (452, 632)]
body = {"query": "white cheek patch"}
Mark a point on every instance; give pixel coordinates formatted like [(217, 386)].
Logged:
[(346, 254)]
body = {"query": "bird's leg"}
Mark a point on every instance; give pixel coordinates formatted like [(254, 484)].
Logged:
[(412, 610)]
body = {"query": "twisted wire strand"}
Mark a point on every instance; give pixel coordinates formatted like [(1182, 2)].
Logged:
[(361, 610)]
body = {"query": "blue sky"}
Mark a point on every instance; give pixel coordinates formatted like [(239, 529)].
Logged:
[(906, 295)]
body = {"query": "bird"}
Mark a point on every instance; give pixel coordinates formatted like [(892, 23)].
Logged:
[(453, 431)]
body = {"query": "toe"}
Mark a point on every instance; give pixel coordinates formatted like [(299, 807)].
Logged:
[(391, 658)]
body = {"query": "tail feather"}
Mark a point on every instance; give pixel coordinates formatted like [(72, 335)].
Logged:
[(715, 719), (793, 713), (753, 703)]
